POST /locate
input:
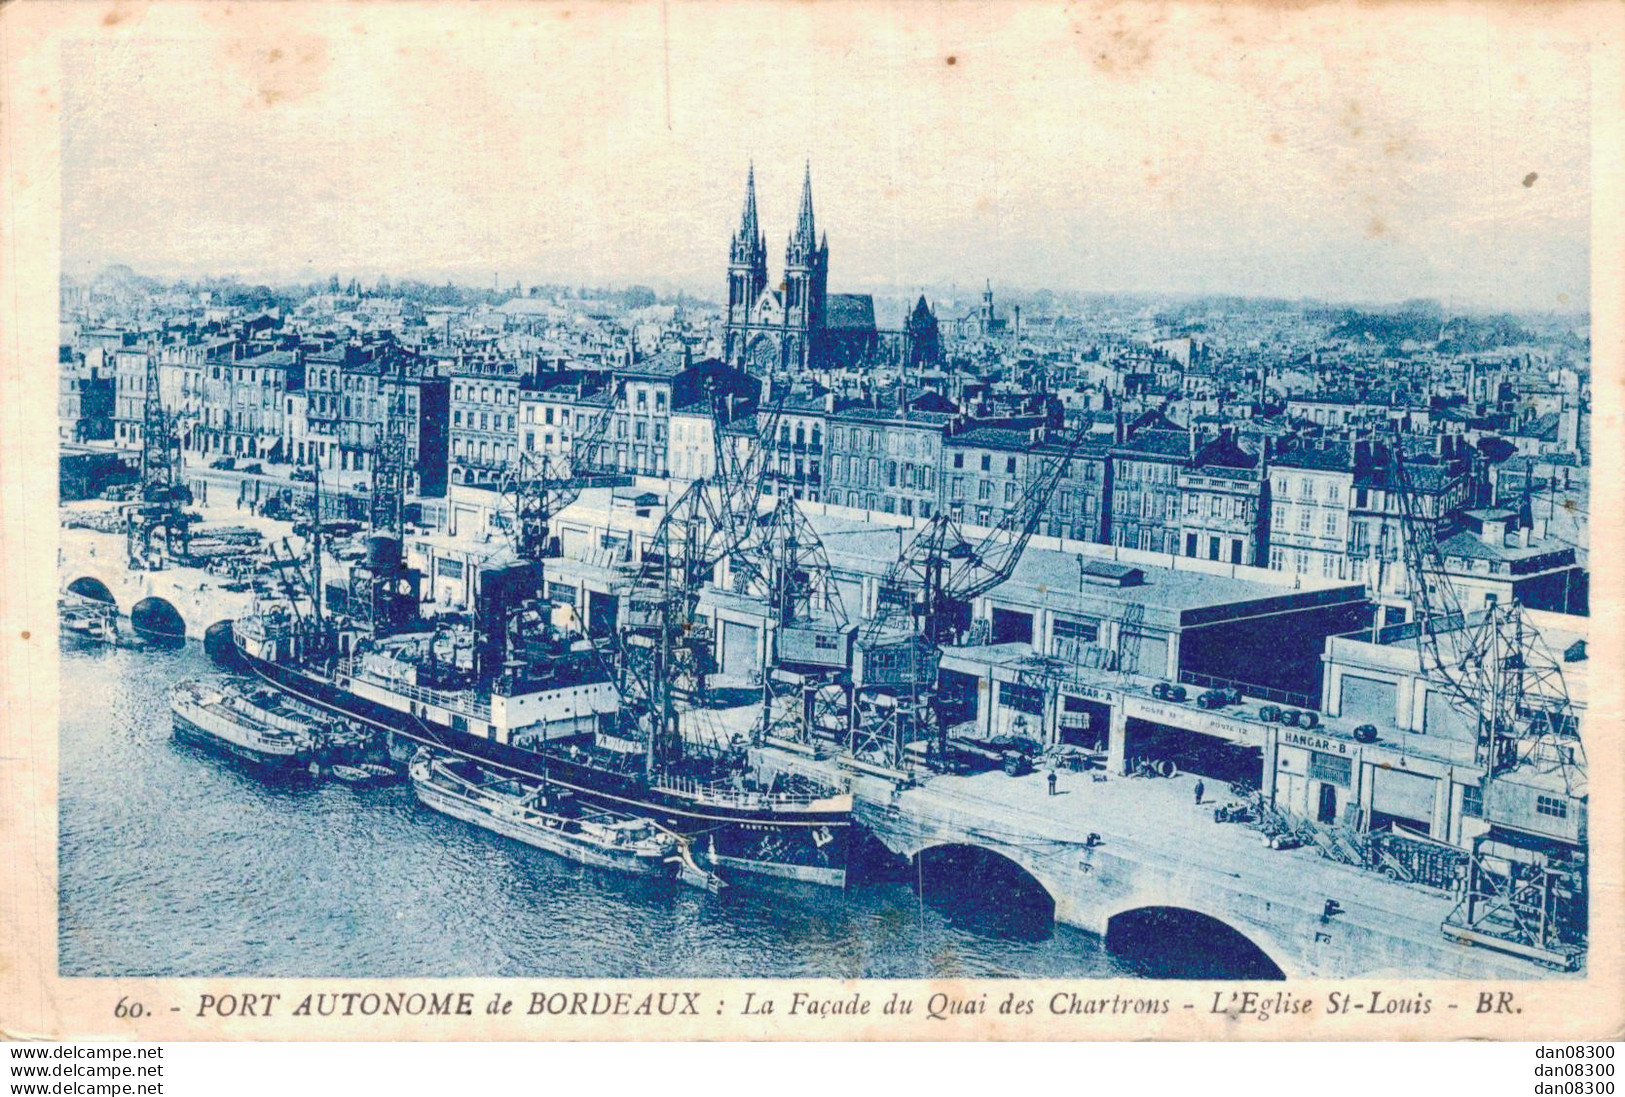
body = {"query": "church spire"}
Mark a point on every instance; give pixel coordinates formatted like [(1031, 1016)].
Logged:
[(748, 249), (750, 230), (804, 241)]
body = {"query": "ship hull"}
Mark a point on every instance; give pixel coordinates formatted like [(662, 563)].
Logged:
[(448, 802), (262, 762), (805, 845)]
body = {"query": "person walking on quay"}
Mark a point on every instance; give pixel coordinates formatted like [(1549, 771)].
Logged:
[(1200, 788), (1052, 782)]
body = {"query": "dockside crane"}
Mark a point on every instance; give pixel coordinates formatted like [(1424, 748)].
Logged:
[(806, 644), (542, 484), (924, 602), (1524, 889), (164, 495), (743, 461), (661, 648)]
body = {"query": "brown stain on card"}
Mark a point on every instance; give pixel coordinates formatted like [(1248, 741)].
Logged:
[(279, 67), (120, 13), (1117, 43)]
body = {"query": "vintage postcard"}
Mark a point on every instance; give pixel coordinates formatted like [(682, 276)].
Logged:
[(884, 521)]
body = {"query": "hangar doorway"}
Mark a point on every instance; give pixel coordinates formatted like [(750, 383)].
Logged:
[(1209, 756), (1084, 722)]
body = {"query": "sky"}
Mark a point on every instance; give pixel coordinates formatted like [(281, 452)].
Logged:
[(1343, 153)]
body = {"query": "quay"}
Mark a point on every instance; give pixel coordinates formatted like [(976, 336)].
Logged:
[(94, 564), (1157, 852), (1116, 855)]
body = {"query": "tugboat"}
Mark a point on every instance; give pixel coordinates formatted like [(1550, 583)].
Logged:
[(552, 819), (88, 618), (222, 716), (362, 774)]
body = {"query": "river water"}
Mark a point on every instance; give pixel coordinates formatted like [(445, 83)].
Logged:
[(175, 863)]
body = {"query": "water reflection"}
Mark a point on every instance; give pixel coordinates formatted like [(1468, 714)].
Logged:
[(176, 863)]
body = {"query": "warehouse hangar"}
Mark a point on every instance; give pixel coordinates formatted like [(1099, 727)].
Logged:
[(1082, 650)]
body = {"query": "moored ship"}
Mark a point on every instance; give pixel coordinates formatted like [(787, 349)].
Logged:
[(88, 618), (222, 716), (548, 818), (555, 717)]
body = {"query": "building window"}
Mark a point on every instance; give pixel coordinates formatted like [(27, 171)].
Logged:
[(1071, 628), (1028, 699), (959, 460), (1010, 466), (1551, 806), (987, 463), (1472, 801), (984, 490), (1330, 767)]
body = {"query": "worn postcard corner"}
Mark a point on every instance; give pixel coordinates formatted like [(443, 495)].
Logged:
[(870, 521)]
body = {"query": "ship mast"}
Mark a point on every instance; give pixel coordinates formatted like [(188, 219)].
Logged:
[(660, 712), (316, 542)]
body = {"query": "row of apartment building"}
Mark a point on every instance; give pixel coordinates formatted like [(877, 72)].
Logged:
[(1310, 506)]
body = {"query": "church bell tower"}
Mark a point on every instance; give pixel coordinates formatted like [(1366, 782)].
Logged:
[(747, 271), (806, 274)]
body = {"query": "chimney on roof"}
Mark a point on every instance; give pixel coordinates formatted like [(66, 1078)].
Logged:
[(1493, 532)]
